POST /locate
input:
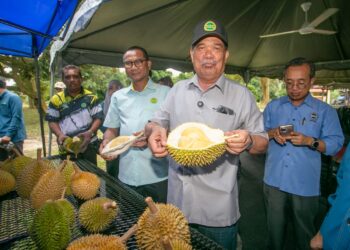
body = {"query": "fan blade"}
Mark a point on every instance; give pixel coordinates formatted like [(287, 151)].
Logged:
[(280, 34), (327, 13), (324, 32)]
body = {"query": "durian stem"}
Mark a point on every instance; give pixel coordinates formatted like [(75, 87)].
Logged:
[(68, 157), (38, 153), (110, 204), (132, 230), (64, 192), (166, 243), (62, 165), (152, 206)]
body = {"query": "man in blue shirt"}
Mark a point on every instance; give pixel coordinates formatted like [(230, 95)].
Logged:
[(129, 111), (335, 229), (11, 120), (293, 163)]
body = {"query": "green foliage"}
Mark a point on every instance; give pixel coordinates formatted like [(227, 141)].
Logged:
[(158, 74), (277, 88)]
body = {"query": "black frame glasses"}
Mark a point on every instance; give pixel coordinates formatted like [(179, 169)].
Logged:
[(137, 63)]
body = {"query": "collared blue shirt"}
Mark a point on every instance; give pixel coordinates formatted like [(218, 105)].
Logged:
[(130, 111), (297, 169), (335, 228), (11, 117)]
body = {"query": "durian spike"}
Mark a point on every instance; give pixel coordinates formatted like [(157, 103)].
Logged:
[(132, 230), (108, 205), (152, 206), (166, 243)]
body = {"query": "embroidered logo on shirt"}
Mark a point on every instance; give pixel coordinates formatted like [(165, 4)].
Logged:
[(83, 105), (313, 117), (154, 100)]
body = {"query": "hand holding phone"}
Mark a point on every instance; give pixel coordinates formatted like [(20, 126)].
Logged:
[(285, 130)]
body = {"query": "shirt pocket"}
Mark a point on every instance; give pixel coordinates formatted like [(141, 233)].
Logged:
[(4, 110)]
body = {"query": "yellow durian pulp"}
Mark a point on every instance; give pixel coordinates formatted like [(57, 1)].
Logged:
[(195, 144)]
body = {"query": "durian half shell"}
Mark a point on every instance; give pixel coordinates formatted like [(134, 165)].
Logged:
[(119, 145), (195, 144)]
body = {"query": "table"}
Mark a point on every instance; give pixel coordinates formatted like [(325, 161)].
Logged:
[(16, 214)]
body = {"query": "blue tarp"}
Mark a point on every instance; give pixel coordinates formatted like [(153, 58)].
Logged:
[(28, 26)]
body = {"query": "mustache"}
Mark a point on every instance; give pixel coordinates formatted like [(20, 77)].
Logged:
[(203, 63)]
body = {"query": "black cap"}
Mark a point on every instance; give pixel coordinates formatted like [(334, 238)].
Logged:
[(209, 27)]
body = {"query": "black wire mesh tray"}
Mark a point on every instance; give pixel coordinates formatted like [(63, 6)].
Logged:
[(16, 215)]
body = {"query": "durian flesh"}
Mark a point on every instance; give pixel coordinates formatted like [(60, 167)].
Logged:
[(195, 144)]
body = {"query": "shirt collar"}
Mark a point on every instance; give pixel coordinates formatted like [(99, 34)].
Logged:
[(218, 84), (150, 85)]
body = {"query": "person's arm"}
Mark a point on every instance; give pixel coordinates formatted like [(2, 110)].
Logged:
[(15, 105), (55, 128), (157, 139)]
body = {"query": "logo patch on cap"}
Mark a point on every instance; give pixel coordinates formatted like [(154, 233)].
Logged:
[(209, 26)]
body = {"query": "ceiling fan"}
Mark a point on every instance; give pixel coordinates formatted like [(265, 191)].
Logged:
[(309, 27)]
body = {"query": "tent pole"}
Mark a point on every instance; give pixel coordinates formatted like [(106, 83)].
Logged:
[(52, 80), (37, 81)]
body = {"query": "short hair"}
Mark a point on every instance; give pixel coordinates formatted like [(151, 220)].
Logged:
[(116, 83), (298, 62), (2, 84), (166, 81), (67, 67), (145, 54)]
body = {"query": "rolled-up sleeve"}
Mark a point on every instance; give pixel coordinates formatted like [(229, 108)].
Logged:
[(331, 132)]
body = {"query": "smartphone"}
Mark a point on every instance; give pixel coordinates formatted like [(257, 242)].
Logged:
[(285, 130)]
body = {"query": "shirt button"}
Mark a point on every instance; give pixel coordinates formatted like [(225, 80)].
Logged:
[(293, 119), (286, 166), (200, 104), (288, 154)]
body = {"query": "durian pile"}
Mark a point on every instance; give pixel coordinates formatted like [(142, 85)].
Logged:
[(195, 144), (162, 225), (10, 169)]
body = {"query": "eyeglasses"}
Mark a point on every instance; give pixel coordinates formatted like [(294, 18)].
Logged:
[(290, 85), (137, 63)]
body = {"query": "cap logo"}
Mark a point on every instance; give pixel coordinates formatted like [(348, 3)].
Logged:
[(209, 26)]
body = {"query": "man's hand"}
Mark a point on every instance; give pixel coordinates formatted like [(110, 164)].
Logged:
[(316, 242), (141, 142), (275, 134), (239, 140), (61, 138), (5, 139), (157, 141), (300, 140), (86, 138), (102, 145)]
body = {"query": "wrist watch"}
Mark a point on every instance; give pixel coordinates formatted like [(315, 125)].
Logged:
[(315, 143)]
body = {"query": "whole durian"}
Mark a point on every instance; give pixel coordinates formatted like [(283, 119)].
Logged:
[(18, 164), (195, 144), (51, 228), (97, 214), (49, 187), (85, 185), (7, 182), (102, 242), (160, 221), (31, 174)]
